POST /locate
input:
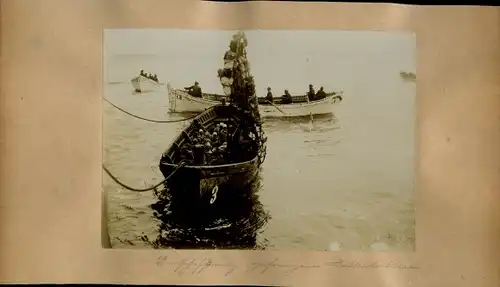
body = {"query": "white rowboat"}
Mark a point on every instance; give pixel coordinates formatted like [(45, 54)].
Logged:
[(142, 84), (180, 101)]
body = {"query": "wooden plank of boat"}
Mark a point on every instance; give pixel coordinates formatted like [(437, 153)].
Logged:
[(225, 163), (143, 84), (181, 101)]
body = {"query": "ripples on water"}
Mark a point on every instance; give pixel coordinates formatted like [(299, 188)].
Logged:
[(233, 221), (323, 186)]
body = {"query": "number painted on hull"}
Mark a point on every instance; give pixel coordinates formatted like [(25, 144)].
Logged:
[(214, 194)]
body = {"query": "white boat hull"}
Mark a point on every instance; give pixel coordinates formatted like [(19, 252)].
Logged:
[(142, 84), (180, 101), (324, 106)]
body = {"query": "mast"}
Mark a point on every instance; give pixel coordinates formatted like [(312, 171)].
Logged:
[(239, 86)]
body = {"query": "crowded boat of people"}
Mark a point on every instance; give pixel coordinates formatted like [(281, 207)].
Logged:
[(152, 77)]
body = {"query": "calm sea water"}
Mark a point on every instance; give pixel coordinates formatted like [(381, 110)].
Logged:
[(346, 180)]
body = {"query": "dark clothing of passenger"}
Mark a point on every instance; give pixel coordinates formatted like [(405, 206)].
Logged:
[(286, 98), (269, 96), (320, 95), (311, 94), (194, 91)]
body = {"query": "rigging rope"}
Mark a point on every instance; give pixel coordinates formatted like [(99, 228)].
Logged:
[(149, 120), (182, 164)]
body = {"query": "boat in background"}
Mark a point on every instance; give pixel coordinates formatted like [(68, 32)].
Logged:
[(144, 84), (408, 76), (180, 101)]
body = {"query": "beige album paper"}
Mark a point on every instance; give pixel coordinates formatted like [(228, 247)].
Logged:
[(264, 143)]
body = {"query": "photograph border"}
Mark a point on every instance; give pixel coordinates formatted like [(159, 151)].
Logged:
[(105, 239)]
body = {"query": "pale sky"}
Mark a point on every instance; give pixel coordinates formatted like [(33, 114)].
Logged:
[(281, 58)]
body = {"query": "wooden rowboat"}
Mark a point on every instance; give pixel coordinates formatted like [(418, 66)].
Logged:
[(180, 101), (209, 173), (211, 169), (142, 84)]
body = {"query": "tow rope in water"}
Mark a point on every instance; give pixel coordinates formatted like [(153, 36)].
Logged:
[(149, 120), (182, 164)]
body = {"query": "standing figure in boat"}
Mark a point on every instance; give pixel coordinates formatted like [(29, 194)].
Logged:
[(239, 87), (195, 90), (269, 96), (311, 94), (235, 77)]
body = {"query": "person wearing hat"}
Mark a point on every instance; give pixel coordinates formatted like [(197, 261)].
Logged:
[(269, 96), (311, 94), (195, 90)]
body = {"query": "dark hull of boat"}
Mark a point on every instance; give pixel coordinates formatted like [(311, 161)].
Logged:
[(207, 184)]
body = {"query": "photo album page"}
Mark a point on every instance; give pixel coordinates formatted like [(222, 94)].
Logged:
[(260, 143)]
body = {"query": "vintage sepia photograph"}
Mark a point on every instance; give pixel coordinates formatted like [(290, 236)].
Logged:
[(259, 139)]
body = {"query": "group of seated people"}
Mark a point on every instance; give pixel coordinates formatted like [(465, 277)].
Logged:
[(287, 98), (149, 76)]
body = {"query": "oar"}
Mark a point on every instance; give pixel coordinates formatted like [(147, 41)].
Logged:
[(311, 122), (276, 107), (311, 126)]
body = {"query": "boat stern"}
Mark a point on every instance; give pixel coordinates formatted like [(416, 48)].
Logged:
[(205, 184)]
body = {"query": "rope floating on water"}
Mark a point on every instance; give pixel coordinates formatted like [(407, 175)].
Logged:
[(182, 164), (149, 120)]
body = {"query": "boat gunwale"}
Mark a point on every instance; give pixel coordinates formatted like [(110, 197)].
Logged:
[(329, 96), (201, 167), (212, 166)]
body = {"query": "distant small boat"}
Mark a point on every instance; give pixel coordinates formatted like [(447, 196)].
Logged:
[(181, 101), (143, 84), (208, 176), (408, 76)]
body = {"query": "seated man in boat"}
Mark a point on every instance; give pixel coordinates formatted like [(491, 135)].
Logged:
[(320, 94), (286, 98), (195, 90), (154, 78), (269, 96), (311, 94), (142, 73)]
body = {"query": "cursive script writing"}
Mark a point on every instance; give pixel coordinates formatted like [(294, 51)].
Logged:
[(273, 265), (194, 266), (342, 263)]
